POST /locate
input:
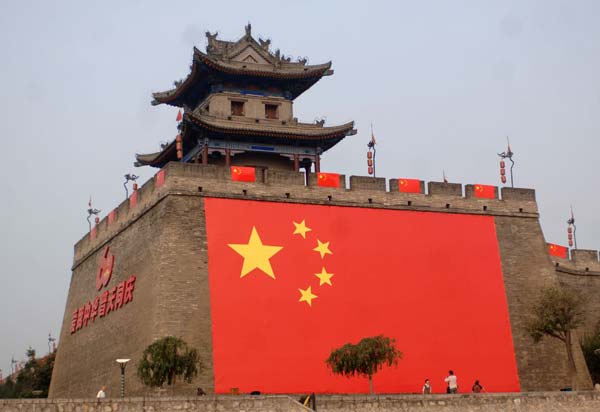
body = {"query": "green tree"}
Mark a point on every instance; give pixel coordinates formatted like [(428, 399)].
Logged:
[(166, 359), (365, 358), (33, 380), (590, 345), (557, 314)]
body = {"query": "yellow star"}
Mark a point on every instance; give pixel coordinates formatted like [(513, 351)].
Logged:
[(307, 296), (301, 229), (323, 248), (324, 277), (256, 255)]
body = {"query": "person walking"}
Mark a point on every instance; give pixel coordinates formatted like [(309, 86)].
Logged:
[(426, 387), (452, 382), (101, 393)]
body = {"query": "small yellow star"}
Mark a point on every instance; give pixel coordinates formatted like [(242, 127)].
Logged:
[(256, 255), (324, 277), (301, 229), (307, 296), (323, 248)]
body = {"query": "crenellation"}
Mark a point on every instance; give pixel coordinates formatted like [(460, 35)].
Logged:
[(367, 183), (284, 178), (584, 259), (442, 188), (364, 191), (512, 193)]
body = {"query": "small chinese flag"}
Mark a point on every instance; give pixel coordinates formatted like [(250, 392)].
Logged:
[(485, 191), (409, 185), (133, 199), (328, 179), (179, 116), (243, 174), (160, 178), (557, 250)]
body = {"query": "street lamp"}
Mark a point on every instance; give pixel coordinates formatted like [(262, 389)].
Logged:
[(122, 363)]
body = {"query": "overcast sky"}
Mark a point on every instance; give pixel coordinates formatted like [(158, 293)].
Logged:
[(444, 83)]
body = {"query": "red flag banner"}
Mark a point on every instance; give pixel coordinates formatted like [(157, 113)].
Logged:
[(485, 191), (133, 199), (243, 174), (93, 233), (179, 116), (328, 179), (160, 178), (557, 250), (111, 217), (409, 185), (291, 282)]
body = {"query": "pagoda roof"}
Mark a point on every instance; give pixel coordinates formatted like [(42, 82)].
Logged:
[(266, 130), (245, 59)]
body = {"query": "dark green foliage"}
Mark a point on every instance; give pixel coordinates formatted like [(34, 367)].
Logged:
[(33, 381), (166, 359), (590, 345), (365, 358), (556, 314)]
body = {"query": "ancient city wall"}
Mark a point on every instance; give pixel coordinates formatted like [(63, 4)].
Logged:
[(523, 402), (160, 237)]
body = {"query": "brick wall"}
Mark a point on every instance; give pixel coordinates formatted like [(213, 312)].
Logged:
[(162, 240), (531, 402)]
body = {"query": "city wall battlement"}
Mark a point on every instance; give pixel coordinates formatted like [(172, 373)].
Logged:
[(293, 187)]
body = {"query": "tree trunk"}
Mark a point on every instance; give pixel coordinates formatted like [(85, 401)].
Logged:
[(371, 384), (572, 368)]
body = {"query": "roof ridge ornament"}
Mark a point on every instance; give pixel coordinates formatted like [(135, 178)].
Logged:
[(248, 29)]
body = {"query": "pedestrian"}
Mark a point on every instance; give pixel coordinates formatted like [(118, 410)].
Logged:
[(452, 382), (477, 387), (200, 392), (101, 393), (426, 387)]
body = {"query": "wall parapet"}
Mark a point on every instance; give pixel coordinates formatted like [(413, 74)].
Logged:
[(523, 402), (280, 185)]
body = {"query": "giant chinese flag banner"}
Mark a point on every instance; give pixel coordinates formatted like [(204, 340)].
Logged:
[(291, 282), (409, 185), (243, 174), (328, 179), (557, 250)]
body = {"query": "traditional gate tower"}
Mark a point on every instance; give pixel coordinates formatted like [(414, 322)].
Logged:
[(238, 109)]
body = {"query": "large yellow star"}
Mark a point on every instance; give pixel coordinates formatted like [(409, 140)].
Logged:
[(307, 296), (256, 255), (323, 248), (324, 277), (301, 229)]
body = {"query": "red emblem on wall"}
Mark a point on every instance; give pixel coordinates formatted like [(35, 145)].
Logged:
[(105, 269)]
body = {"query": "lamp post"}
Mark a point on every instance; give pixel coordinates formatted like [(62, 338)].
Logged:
[(123, 363)]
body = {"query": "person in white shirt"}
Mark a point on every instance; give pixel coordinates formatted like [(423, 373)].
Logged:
[(452, 382), (101, 393)]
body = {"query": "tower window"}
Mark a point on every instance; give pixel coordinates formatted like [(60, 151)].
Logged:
[(237, 108), (271, 111)]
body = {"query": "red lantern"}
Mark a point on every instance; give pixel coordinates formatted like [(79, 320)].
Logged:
[(369, 155), (178, 138), (369, 162), (570, 243), (569, 229), (503, 178), (97, 220), (502, 164), (179, 154), (135, 186), (502, 172), (370, 170), (570, 236)]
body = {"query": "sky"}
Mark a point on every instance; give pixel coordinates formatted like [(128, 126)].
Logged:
[(443, 83)]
